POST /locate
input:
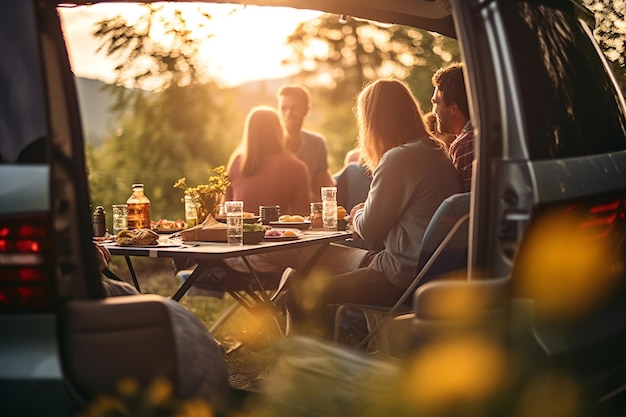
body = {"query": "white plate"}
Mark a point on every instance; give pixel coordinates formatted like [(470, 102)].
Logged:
[(292, 225), (161, 230)]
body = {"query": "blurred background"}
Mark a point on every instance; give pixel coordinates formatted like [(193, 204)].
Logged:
[(164, 89)]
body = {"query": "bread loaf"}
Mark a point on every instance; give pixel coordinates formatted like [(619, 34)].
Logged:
[(137, 237)]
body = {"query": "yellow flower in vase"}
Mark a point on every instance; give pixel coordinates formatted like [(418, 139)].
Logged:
[(207, 196)]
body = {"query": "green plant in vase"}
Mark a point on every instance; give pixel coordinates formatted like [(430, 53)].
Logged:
[(207, 196)]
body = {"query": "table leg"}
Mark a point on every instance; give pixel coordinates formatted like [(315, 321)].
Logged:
[(301, 273), (132, 272), (182, 290)]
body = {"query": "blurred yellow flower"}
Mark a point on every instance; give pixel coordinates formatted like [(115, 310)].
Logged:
[(196, 407), (460, 370), (160, 391), (127, 386)]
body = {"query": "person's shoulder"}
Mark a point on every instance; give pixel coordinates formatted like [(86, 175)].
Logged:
[(412, 151), (413, 146), (313, 136), (234, 164), (291, 160)]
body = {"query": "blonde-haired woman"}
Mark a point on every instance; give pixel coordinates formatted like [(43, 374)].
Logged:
[(411, 176), (262, 172)]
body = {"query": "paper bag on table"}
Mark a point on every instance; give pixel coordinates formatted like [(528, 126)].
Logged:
[(210, 230)]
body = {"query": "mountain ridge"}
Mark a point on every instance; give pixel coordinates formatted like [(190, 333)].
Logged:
[(98, 120)]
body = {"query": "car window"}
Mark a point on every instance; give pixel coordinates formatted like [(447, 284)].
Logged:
[(571, 105), (22, 110)]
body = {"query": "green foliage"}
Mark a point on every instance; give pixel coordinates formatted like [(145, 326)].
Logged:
[(145, 63), (341, 57), (167, 136)]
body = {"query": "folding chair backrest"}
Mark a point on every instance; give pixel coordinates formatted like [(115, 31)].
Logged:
[(454, 255)]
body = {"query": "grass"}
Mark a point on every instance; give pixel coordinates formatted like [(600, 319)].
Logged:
[(245, 360)]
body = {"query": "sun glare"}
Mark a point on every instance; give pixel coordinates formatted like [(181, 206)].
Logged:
[(239, 44)]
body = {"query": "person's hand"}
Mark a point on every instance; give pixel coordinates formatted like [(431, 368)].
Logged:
[(103, 257), (354, 210)]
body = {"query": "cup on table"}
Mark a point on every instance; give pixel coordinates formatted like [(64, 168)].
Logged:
[(234, 222), (269, 214), (120, 217), (329, 207), (317, 210)]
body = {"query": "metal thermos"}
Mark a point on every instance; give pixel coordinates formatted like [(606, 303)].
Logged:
[(99, 222)]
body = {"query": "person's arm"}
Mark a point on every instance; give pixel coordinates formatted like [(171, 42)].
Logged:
[(103, 257), (389, 194), (321, 179)]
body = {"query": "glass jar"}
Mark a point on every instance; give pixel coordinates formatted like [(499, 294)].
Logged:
[(316, 216), (191, 211), (138, 209)]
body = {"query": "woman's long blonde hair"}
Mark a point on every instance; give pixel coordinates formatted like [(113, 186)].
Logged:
[(388, 116), (262, 135)]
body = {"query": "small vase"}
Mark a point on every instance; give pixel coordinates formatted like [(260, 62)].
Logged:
[(209, 204)]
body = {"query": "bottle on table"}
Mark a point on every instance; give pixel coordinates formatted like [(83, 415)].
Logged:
[(138, 209), (99, 222)]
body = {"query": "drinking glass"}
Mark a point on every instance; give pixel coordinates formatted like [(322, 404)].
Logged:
[(120, 217), (234, 222), (329, 207)]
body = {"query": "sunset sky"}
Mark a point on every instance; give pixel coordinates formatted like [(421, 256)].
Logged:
[(248, 44)]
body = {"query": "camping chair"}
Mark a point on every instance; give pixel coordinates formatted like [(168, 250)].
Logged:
[(444, 251)]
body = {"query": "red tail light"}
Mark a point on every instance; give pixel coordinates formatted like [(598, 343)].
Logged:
[(601, 218), (26, 263)]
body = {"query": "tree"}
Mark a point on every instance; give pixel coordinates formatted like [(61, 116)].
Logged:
[(342, 54), (177, 129)]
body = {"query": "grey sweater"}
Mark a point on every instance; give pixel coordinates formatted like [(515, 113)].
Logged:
[(408, 185)]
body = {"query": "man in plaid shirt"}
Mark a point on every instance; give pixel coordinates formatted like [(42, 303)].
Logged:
[(452, 112)]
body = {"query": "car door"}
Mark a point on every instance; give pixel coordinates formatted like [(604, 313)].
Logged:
[(45, 248), (550, 170)]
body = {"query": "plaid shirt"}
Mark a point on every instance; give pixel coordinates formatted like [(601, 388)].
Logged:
[(462, 154)]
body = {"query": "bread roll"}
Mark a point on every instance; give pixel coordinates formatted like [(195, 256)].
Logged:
[(137, 237)]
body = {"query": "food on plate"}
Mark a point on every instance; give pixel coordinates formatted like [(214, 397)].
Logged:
[(253, 227), (253, 233), (288, 218), (137, 237), (164, 224), (246, 215), (210, 230), (341, 212), (281, 233)]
